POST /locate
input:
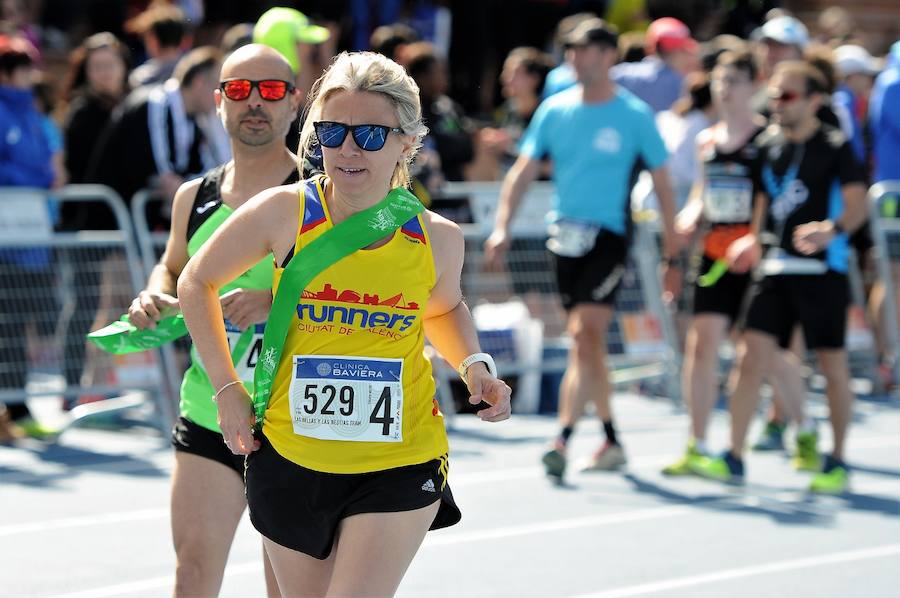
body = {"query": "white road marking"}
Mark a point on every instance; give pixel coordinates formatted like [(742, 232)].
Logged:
[(755, 570)]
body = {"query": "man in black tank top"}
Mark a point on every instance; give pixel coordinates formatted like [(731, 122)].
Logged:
[(256, 102)]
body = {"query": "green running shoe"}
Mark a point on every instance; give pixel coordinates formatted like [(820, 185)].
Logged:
[(683, 466), (833, 479), (772, 437), (726, 468), (807, 456), (34, 429)]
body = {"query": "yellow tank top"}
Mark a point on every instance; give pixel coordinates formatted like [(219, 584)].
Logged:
[(354, 391)]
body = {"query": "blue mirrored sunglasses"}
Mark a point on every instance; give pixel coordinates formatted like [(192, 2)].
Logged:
[(368, 137)]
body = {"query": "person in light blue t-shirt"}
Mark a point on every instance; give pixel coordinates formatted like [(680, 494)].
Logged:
[(598, 136)]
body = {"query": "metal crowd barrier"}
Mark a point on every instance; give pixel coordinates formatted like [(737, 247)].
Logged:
[(642, 345), (152, 243), (884, 218), (56, 286)]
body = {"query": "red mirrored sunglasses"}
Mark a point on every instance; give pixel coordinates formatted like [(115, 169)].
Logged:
[(270, 90), (780, 95)]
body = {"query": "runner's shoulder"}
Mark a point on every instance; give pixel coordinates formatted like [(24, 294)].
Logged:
[(832, 136), (443, 232), (184, 198)]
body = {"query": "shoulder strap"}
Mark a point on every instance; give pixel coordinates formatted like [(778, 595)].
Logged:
[(206, 201), (354, 233)]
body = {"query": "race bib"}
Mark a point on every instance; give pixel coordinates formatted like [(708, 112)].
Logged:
[(778, 262), (347, 398), (727, 199), (571, 239), (245, 347)]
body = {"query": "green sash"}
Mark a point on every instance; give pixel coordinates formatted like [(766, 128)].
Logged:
[(354, 233)]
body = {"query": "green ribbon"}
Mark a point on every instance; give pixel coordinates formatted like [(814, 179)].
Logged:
[(123, 337), (716, 271), (354, 233)]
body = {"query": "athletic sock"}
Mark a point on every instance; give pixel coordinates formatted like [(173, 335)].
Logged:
[(700, 446), (610, 432), (808, 425), (565, 434)]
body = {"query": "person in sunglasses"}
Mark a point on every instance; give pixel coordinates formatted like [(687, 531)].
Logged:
[(256, 103), (597, 134), (812, 197), (344, 486)]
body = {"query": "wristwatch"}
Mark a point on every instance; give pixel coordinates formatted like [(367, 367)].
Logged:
[(475, 358)]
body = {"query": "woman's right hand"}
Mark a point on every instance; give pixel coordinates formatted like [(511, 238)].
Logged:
[(236, 420)]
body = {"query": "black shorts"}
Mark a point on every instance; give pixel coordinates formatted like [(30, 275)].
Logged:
[(726, 297), (596, 276), (193, 438), (818, 302), (301, 509)]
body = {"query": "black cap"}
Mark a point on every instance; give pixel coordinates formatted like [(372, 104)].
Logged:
[(593, 31)]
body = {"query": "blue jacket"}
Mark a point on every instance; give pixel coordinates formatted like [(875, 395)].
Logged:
[(884, 121), (26, 160)]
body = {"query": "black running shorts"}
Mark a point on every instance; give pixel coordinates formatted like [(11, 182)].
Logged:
[(301, 509), (726, 297), (817, 302), (596, 276), (189, 437)]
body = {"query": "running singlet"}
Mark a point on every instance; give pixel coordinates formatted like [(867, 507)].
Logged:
[(353, 392), (207, 214), (730, 185)]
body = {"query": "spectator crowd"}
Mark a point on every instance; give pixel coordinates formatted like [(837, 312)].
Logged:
[(134, 108)]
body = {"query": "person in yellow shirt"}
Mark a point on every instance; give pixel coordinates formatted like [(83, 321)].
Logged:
[(351, 459)]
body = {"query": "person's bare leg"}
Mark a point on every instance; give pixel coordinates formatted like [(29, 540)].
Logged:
[(272, 590), (840, 400), (788, 384), (299, 575), (374, 551), (701, 363), (207, 503), (755, 351), (587, 327)]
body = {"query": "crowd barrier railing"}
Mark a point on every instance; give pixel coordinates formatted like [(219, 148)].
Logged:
[(55, 286), (152, 243), (884, 218)]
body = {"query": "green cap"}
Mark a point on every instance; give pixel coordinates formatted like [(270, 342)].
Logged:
[(283, 28), (123, 337)]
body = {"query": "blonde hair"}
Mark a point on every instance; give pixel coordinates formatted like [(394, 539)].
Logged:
[(367, 71)]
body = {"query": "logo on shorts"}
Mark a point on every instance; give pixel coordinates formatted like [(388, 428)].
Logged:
[(608, 140), (323, 369), (609, 284), (428, 486)]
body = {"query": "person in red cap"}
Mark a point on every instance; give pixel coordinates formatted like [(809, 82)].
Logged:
[(658, 78)]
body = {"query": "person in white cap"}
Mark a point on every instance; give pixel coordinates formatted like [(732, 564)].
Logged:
[(857, 70), (782, 38)]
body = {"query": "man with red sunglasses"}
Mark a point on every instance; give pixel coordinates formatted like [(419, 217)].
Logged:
[(256, 104), (812, 198)]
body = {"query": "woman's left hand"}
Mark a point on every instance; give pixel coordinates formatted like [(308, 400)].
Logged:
[(493, 391)]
